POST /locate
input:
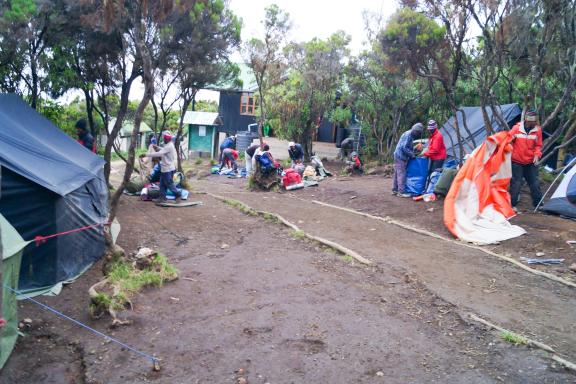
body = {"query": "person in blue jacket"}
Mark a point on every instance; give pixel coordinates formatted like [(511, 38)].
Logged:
[(404, 152), (229, 142)]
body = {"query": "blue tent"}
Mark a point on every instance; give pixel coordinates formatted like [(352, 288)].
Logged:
[(475, 122), (49, 184)]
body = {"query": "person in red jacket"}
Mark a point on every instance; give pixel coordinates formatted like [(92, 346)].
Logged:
[(436, 150), (526, 152)]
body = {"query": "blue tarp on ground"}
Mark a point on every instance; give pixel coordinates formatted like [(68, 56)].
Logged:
[(50, 184), (475, 122)]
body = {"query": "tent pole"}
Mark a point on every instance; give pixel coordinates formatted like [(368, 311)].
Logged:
[(554, 182)]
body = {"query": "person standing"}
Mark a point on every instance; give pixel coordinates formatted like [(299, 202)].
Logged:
[(168, 156), (249, 155), (84, 136), (436, 150), (296, 153), (526, 152), (404, 152)]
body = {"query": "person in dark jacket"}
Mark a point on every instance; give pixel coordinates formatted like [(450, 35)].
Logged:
[(248, 155), (84, 136), (229, 142), (404, 152), (526, 152), (296, 153)]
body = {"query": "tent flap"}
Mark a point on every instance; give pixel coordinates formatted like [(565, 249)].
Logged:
[(477, 207)]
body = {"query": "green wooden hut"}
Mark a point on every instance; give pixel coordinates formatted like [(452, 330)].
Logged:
[(203, 130)]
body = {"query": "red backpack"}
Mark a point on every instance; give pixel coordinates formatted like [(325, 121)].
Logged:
[(292, 177)]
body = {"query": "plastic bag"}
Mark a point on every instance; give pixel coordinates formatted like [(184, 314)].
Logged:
[(416, 174)]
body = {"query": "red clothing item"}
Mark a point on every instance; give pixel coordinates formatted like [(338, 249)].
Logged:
[(436, 148), (357, 162), (526, 145)]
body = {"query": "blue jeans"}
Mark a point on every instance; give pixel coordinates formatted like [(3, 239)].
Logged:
[(167, 183)]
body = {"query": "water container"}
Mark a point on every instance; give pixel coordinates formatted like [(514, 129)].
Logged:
[(243, 141)]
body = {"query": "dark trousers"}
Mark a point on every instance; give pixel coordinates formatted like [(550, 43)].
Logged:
[(400, 175), (167, 183), (529, 172)]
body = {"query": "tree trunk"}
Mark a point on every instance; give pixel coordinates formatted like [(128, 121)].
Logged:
[(148, 80), (185, 104)]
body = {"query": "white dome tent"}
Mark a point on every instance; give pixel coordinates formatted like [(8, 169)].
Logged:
[(563, 201)]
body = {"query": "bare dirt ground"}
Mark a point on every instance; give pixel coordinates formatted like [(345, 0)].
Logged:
[(254, 301)]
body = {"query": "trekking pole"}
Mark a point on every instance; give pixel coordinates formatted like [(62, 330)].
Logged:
[(554, 182)]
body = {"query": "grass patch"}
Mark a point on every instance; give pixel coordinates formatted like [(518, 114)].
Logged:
[(127, 280), (347, 259), (213, 162), (241, 207), (300, 235), (270, 218), (513, 338), (549, 177), (198, 161)]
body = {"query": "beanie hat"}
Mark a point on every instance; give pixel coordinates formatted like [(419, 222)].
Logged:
[(432, 125), (531, 116)]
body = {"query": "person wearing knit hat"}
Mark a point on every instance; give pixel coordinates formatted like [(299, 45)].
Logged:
[(526, 152), (168, 156), (436, 150), (404, 151)]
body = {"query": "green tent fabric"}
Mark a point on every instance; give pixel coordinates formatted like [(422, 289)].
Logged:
[(11, 253)]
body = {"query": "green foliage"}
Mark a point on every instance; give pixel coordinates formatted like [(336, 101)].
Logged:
[(341, 116), (20, 10)]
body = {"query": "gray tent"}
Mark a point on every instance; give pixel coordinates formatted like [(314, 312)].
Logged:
[(50, 184), (475, 122)]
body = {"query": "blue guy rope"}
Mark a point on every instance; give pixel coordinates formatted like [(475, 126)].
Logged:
[(152, 359)]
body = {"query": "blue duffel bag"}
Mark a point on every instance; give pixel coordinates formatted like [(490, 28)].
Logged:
[(416, 174)]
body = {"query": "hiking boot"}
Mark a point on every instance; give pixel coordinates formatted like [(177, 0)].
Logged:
[(159, 200), (403, 195), (394, 193)]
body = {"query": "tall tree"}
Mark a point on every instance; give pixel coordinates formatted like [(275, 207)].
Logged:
[(265, 57)]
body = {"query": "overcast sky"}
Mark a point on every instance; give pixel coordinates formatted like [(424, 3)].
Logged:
[(310, 18)]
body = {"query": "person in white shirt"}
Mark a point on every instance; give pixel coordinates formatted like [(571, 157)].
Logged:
[(168, 156)]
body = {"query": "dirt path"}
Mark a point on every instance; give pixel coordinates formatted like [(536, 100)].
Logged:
[(469, 279), (280, 309)]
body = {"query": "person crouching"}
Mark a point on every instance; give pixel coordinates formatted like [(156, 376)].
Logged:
[(229, 157)]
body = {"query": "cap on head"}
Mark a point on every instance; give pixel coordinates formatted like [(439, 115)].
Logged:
[(291, 144), (531, 116), (432, 125)]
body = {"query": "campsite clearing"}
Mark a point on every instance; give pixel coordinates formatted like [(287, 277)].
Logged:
[(258, 303)]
